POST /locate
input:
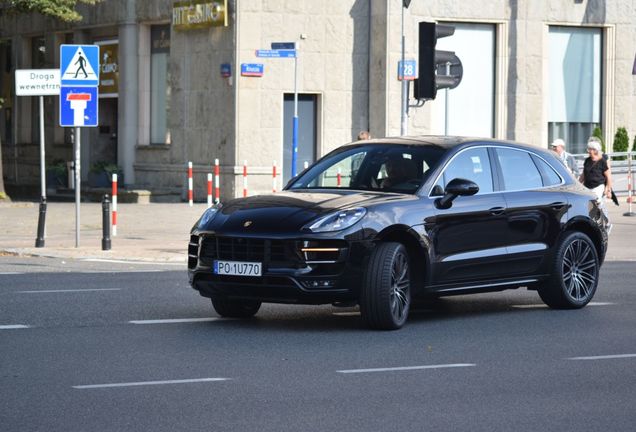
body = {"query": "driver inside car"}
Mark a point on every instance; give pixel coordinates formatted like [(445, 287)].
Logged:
[(399, 170)]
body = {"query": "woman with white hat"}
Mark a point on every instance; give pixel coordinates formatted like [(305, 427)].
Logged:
[(596, 171)]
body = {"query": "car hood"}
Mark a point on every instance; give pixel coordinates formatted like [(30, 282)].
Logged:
[(286, 211)]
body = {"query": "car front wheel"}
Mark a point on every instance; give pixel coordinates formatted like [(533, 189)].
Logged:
[(386, 293), (235, 308), (575, 273)]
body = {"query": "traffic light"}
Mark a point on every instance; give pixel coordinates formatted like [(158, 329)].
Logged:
[(432, 64)]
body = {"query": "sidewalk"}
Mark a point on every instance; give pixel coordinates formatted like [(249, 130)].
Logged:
[(160, 232), (145, 232)]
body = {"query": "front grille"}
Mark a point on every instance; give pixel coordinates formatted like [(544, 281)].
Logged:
[(282, 252)]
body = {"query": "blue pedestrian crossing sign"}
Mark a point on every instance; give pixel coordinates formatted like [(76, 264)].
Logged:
[(79, 65), (78, 106)]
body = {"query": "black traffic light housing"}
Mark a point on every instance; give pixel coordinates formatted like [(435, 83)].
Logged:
[(432, 63)]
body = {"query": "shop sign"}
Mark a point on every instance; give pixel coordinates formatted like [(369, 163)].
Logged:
[(109, 68), (197, 14)]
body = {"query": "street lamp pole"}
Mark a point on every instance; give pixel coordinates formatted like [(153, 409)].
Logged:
[(405, 99)]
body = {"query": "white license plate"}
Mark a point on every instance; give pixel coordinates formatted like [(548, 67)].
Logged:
[(238, 268)]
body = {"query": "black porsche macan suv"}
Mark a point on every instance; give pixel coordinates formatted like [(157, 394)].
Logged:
[(380, 222)]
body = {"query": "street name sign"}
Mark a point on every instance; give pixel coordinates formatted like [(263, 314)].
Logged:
[(79, 65), (37, 82), (252, 69), (283, 53)]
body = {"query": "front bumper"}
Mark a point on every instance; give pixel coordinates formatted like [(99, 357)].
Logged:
[(304, 271)]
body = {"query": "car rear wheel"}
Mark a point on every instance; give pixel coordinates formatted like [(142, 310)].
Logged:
[(575, 272), (235, 308), (386, 293)]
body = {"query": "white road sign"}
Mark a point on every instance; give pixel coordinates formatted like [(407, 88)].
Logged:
[(37, 82)]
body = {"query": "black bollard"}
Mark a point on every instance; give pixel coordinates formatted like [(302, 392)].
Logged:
[(105, 223), (39, 241)]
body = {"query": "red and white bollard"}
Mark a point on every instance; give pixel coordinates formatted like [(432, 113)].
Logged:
[(274, 177), (244, 179), (190, 193), (217, 188), (209, 190), (339, 178), (114, 212)]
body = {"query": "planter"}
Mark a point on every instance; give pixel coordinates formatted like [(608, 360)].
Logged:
[(98, 179)]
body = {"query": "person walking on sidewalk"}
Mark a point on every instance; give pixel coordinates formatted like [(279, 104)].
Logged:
[(597, 175), (558, 146)]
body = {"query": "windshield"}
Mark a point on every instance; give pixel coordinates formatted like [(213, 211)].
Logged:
[(372, 167)]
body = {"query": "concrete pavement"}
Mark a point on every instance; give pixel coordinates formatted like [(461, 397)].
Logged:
[(159, 232), (145, 232)]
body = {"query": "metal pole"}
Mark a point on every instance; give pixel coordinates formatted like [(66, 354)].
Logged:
[(106, 242), (295, 124), (446, 109), (39, 240), (403, 117), (77, 186), (42, 168), (630, 183)]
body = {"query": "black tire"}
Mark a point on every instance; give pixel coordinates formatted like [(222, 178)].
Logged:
[(574, 273), (385, 297), (235, 308)]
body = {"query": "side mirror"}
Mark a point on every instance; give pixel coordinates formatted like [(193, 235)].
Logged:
[(454, 188)]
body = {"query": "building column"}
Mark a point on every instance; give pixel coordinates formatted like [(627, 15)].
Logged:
[(128, 104)]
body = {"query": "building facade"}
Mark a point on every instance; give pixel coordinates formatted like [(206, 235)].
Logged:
[(172, 88)]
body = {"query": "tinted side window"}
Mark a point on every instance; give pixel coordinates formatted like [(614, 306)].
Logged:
[(472, 164), (550, 176), (518, 169)]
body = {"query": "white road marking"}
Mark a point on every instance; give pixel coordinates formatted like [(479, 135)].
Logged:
[(146, 383), (543, 306), (13, 326), (407, 368), (177, 320), (11, 273), (347, 313), (68, 290), (604, 357), (181, 264)]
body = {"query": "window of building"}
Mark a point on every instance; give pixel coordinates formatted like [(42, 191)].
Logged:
[(471, 104), (159, 88), (6, 86), (575, 85)]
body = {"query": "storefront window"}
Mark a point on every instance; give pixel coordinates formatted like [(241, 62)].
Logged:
[(575, 85), (159, 88), (471, 104)]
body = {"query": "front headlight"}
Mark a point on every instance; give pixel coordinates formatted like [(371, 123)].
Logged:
[(338, 221), (208, 215)]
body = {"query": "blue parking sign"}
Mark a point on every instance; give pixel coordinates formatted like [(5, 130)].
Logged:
[(78, 106)]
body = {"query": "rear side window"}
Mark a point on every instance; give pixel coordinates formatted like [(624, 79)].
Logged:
[(550, 176), (518, 169)]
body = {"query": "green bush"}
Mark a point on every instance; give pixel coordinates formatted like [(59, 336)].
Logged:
[(621, 142), (634, 145), (598, 133)]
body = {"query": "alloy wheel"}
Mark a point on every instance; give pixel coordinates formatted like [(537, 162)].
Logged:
[(400, 284), (579, 270)]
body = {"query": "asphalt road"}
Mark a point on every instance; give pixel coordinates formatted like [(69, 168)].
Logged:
[(88, 354)]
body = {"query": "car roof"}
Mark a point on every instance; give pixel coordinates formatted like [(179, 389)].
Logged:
[(446, 142)]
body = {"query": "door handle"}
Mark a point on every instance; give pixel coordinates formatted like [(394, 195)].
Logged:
[(497, 210)]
